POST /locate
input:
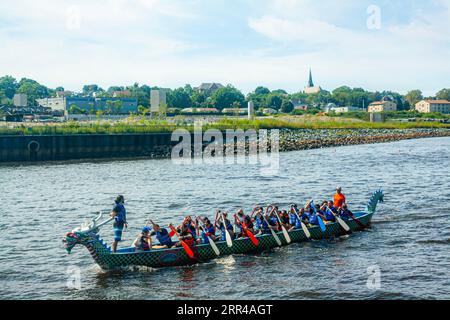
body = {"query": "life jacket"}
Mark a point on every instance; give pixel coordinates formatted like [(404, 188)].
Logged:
[(329, 216), (164, 238), (209, 231), (293, 219), (143, 244), (313, 219), (191, 241), (229, 228)]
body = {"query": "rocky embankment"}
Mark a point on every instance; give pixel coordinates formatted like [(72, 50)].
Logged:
[(291, 140)]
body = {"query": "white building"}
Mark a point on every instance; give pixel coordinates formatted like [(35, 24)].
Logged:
[(20, 100), (430, 106)]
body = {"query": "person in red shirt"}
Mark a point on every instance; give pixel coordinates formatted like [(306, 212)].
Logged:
[(339, 198)]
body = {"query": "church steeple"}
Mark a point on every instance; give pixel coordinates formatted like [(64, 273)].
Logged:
[(310, 81)]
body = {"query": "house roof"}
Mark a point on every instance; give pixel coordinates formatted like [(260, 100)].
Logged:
[(377, 103), (437, 101), (209, 86)]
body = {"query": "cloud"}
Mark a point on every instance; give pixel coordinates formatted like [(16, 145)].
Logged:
[(271, 43)]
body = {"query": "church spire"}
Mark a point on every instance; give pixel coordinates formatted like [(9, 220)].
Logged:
[(310, 82)]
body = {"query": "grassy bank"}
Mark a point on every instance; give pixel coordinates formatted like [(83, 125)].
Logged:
[(146, 126)]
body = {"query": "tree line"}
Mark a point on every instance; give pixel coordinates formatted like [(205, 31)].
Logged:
[(225, 97)]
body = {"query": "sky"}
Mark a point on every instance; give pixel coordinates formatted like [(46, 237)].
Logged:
[(396, 45)]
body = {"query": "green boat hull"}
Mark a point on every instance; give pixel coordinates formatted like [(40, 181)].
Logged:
[(162, 258)]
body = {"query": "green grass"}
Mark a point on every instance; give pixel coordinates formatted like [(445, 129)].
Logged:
[(160, 126)]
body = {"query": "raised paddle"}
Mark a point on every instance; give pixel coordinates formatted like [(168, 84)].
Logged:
[(304, 227), (247, 232), (271, 230), (285, 233), (211, 241), (339, 220), (319, 218), (188, 250), (227, 234)]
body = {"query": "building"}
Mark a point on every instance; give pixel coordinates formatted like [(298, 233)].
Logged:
[(20, 100), (382, 106), (61, 94), (122, 94), (158, 100), (345, 109), (240, 111), (430, 106), (311, 88), (208, 88), (200, 110), (90, 105)]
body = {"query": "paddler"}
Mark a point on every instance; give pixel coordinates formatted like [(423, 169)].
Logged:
[(186, 235), (226, 225), (208, 230), (339, 198), (329, 216), (261, 224), (242, 217), (144, 241), (163, 236), (120, 220), (345, 213)]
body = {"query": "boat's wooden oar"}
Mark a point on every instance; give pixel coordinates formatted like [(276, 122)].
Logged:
[(339, 220), (247, 232), (211, 241), (285, 233), (362, 225), (319, 218), (188, 250), (304, 227), (271, 230), (227, 234)]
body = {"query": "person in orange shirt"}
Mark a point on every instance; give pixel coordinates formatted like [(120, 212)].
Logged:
[(339, 198)]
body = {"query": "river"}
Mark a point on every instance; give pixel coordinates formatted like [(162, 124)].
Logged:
[(408, 244)]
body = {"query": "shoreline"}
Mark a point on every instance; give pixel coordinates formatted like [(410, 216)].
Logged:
[(290, 140)]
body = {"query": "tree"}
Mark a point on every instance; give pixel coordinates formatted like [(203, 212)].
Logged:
[(33, 90), (274, 101), (227, 97), (262, 91), (8, 85), (444, 94), (412, 97), (179, 98), (287, 106)]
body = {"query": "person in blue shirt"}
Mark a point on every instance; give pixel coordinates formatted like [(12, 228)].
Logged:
[(261, 224), (228, 227), (313, 217), (345, 213), (163, 236), (208, 230), (120, 220), (273, 220), (329, 216)]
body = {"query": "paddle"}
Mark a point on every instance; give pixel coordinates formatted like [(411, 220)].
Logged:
[(304, 227), (285, 233), (271, 230), (227, 234), (247, 232), (362, 225), (339, 220), (188, 250), (319, 218), (211, 241)]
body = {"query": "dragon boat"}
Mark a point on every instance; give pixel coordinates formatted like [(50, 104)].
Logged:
[(88, 235)]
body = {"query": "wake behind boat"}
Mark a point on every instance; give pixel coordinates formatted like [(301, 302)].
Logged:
[(88, 235)]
